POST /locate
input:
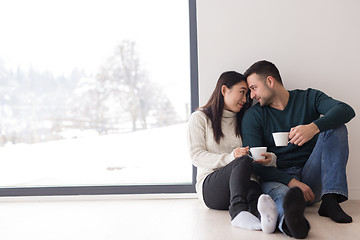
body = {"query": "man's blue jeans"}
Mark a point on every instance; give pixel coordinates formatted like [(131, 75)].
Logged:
[(324, 171)]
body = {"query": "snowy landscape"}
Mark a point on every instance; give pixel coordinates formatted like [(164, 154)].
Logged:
[(154, 156)]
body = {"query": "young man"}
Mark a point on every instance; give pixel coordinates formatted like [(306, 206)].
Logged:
[(312, 167)]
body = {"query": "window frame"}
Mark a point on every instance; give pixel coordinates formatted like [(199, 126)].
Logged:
[(129, 189)]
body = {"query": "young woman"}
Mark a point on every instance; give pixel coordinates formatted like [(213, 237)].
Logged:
[(224, 169)]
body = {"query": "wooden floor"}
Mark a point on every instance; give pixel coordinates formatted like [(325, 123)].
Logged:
[(145, 219)]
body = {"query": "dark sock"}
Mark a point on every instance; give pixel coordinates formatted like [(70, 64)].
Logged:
[(294, 207), (331, 208)]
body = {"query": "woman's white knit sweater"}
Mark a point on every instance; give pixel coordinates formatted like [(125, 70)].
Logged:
[(206, 154)]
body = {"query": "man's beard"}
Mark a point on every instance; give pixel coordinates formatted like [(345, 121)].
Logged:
[(266, 101)]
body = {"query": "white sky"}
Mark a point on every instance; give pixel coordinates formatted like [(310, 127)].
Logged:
[(64, 34)]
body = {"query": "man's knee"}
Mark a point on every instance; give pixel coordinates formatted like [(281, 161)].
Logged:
[(340, 133)]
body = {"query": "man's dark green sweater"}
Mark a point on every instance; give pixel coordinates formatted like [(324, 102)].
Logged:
[(304, 107)]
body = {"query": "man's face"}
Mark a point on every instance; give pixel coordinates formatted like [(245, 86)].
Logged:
[(259, 89)]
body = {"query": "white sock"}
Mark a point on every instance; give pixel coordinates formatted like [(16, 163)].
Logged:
[(246, 220), (268, 213)]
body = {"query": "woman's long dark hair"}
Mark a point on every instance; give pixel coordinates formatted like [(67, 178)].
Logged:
[(213, 109)]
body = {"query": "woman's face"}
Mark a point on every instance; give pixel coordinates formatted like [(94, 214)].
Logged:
[(235, 97)]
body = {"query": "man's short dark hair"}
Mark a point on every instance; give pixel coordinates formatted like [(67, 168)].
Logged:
[(264, 69)]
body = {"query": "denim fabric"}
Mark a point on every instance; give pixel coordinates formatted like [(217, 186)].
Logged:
[(324, 171)]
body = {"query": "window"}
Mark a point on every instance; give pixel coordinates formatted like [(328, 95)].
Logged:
[(95, 96)]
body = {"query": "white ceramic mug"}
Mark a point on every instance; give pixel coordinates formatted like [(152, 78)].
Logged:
[(257, 151), (281, 139)]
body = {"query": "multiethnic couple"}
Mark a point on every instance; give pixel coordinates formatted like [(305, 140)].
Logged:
[(272, 192)]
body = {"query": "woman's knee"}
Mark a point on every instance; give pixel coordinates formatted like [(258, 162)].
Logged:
[(243, 162)]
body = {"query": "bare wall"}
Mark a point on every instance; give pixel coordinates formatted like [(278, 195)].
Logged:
[(314, 43)]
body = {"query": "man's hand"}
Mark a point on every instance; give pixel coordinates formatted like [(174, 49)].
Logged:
[(301, 134), (308, 193), (266, 160)]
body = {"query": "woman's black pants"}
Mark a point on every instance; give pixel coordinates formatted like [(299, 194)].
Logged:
[(230, 188)]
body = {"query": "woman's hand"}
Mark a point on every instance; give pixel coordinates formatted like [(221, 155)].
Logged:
[(241, 151), (267, 160)]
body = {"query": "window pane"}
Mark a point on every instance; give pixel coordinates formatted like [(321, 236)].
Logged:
[(94, 92)]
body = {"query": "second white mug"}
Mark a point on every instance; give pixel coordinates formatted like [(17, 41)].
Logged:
[(281, 139)]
